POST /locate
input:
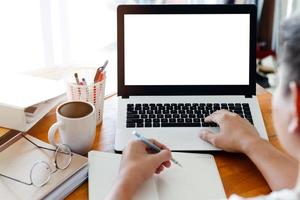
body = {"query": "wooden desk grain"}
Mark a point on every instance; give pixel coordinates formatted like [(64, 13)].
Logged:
[(239, 175)]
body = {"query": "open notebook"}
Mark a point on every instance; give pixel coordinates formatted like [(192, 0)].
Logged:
[(198, 179)]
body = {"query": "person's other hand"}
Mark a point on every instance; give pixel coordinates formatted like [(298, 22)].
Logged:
[(236, 134), (139, 163)]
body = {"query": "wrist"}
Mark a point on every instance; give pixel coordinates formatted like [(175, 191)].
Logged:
[(121, 190), (129, 181), (251, 145)]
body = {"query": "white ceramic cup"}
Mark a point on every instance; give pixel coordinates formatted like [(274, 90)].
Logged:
[(76, 124)]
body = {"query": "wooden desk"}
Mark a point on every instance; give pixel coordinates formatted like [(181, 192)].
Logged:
[(238, 173)]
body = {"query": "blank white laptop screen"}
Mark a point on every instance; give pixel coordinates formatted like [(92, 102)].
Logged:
[(186, 49)]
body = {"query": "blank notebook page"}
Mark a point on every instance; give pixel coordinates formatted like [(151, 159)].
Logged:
[(198, 179), (103, 171)]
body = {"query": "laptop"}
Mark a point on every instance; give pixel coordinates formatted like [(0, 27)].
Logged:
[(178, 64)]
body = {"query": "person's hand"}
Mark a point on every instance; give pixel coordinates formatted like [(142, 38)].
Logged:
[(139, 161), (139, 164), (236, 134)]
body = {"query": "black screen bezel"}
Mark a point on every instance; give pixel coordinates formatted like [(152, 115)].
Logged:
[(133, 90)]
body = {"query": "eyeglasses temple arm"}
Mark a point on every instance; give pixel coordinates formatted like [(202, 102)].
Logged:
[(40, 146), (15, 179), (37, 145)]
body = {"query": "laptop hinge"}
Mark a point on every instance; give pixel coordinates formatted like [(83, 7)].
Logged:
[(125, 97), (248, 96)]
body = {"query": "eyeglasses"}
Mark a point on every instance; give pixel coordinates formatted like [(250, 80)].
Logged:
[(40, 172)]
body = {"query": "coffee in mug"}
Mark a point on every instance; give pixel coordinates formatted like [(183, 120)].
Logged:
[(76, 124)]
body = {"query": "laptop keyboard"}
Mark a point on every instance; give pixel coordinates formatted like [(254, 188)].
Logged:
[(179, 114)]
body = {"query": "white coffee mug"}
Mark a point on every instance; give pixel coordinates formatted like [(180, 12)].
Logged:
[(76, 123)]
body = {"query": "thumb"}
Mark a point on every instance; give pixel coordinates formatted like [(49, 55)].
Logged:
[(162, 156), (208, 136)]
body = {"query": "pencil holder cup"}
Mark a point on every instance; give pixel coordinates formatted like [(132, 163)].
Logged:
[(93, 93)]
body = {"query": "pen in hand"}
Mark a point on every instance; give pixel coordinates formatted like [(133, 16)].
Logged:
[(152, 146)]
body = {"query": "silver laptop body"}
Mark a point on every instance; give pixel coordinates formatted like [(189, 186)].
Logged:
[(179, 63)]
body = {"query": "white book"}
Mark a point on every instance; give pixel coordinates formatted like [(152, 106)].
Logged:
[(19, 93), (197, 179)]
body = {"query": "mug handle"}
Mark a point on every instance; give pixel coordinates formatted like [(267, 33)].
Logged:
[(52, 131)]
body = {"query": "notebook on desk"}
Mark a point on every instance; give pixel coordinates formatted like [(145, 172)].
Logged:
[(198, 179)]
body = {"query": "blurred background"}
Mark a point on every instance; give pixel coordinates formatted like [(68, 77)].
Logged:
[(49, 37)]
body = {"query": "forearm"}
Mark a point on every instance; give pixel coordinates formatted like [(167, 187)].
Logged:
[(121, 190), (279, 170)]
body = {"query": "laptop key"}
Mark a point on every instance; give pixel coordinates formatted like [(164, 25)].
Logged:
[(152, 116), (160, 116), (184, 115), (139, 125), (205, 124), (181, 112), (176, 116), (130, 125), (173, 111), (149, 112), (180, 120), (196, 120), (132, 112), (168, 116), (172, 120), (156, 124), (132, 116), (190, 112), (156, 120), (188, 120), (212, 124), (238, 112), (166, 112), (248, 114), (130, 108), (138, 120), (164, 120), (130, 120), (138, 108), (147, 124), (246, 109)]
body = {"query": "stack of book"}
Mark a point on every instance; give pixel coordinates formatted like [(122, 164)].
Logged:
[(17, 160), (25, 99)]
